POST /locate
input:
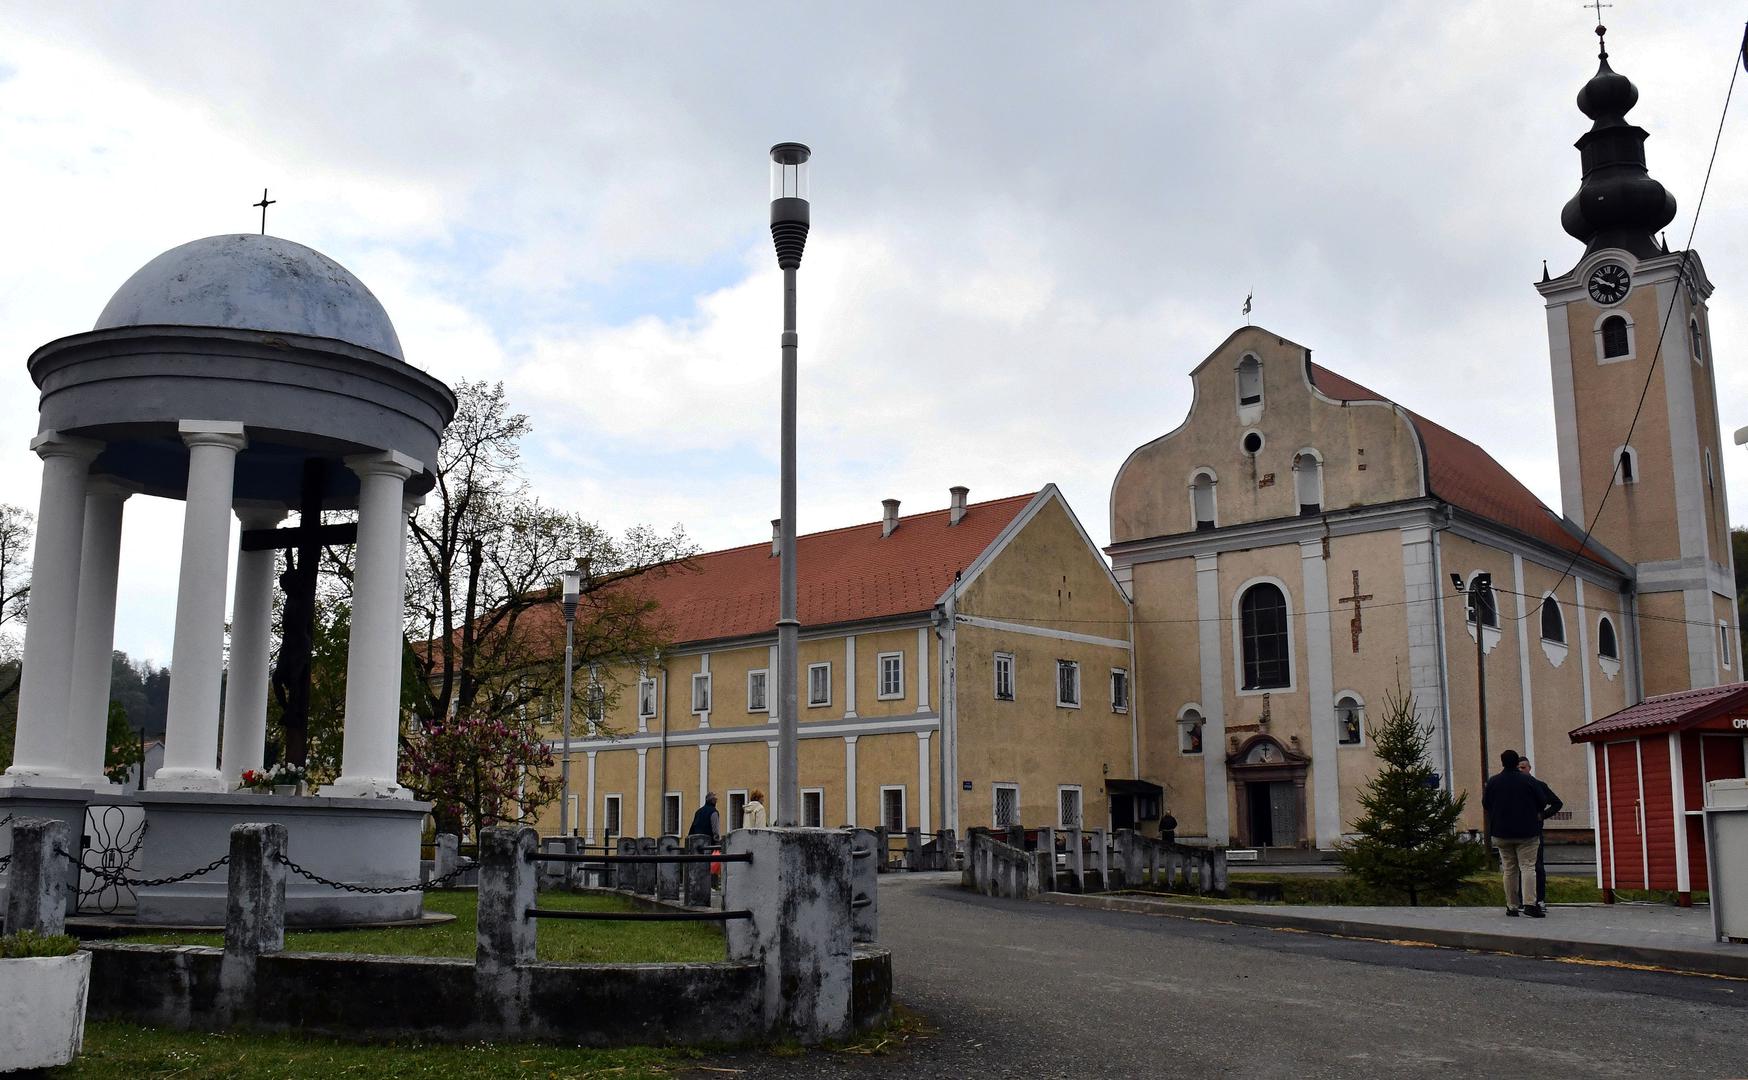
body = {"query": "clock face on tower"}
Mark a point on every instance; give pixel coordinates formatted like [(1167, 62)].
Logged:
[(1609, 283)]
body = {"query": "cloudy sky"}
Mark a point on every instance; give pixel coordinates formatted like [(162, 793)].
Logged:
[(1030, 220)]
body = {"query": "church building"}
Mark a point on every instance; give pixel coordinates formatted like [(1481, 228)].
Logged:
[(1301, 545)]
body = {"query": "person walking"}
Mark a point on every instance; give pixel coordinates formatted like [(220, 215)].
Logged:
[(707, 822), (754, 815), (1512, 802), (1551, 806)]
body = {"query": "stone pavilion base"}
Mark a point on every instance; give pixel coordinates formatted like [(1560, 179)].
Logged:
[(367, 842)]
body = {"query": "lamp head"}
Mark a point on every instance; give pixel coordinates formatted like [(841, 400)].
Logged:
[(791, 213), (573, 585), (1457, 581)]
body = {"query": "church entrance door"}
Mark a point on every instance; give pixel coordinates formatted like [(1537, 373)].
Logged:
[(1262, 831), (1270, 781)]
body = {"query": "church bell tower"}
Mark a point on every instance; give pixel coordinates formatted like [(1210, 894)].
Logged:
[(1629, 320)]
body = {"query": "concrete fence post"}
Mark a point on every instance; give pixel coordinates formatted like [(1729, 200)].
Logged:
[(913, 849), (254, 911), (1047, 859), (668, 873), (1102, 857), (1017, 836), (625, 874), (797, 888), (1129, 850), (1076, 861), (883, 842), (36, 884), (1221, 883), (646, 872), (445, 854), (697, 874), (506, 892), (864, 884)]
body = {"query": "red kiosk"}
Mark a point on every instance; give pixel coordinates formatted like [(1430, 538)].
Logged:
[(1649, 765)]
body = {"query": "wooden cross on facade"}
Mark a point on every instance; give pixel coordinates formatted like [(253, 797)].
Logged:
[(1354, 623), (303, 544)]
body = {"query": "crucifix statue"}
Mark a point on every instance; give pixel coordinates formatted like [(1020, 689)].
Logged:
[(1354, 624), (303, 547)]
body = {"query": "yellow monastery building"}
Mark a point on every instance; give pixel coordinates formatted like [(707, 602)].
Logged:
[(948, 679)]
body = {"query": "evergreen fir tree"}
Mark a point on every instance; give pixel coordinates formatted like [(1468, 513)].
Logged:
[(1408, 839)]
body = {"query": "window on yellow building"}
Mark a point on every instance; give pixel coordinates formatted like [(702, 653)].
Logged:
[(1068, 802), (1004, 676), (1007, 806), (758, 683), (646, 697), (610, 815), (671, 814), (892, 808), (813, 808), (1068, 684), (819, 685), (1119, 690), (891, 675), (737, 810), (1606, 645), (1263, 616), (701, 693)]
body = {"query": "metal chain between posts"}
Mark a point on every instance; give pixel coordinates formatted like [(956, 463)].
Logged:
[(375, 890), (119, 877)]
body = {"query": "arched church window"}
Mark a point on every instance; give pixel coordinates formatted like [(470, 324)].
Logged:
[(1711, 474), (1553, 623), (1262, 613), (1606, 646), (1202, 499), (1489, 604), (1614, 337), (1699, 352), (1627, 465), (1250, 381), (1308, 481), (1350, 718)]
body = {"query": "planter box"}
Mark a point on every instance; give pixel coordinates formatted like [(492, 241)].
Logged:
[(42, 1010)]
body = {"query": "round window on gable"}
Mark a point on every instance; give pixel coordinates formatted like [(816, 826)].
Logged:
[(1252, 442)]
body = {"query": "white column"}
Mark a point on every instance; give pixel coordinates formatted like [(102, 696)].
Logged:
[(1325, 754), (589, 801), (849, 677), (850, 780), (198, 654), (703, 772), (772, 783), (94, 631), (245, 716), (373, 656), (1678, 802), (1529, 625), (922, 779), (642, 788), (40, 748), (1213, 670), (922, 669)]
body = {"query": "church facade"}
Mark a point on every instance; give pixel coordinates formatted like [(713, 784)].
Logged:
[(1302, 546)]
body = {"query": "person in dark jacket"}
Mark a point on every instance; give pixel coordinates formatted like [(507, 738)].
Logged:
[(707, 821), (1553, 805), (1513, 804)]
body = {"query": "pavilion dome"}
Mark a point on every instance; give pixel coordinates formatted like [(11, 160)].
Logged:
[(243, 281)]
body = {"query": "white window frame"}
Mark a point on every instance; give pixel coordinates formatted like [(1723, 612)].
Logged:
[(1238, 641), (1340, 697), (903, 805), (995, 791), (1632, 352), (1632, 457), (1202, 472), (1079, 803), (729, 820), (1183, 726), (1079, 693), (701, 678), (880, 662), (1696, 340), (1610, 665), (1555, 651), (679, 805), (995, 671), (764, 679), (819, 793), (573, 803), (1120, 675), (1724, 643), (612, 813), (653, 698), (811, 668)]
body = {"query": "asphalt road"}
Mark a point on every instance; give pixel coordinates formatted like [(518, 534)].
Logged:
[(1019, 989)]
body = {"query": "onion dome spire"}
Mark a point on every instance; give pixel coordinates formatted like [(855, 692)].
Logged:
[(1618, 204)]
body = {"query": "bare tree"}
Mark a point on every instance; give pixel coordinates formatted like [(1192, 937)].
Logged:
[(16, 535)]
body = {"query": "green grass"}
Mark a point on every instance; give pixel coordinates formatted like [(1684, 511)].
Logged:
[(559, 939), (1482, 890), (116, 1049)]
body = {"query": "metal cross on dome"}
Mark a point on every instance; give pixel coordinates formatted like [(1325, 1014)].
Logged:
[(1597, 6), (264, 204)]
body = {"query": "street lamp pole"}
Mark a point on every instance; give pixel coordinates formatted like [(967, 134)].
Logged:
[(790, 218), (572, 588), (1480, 595)]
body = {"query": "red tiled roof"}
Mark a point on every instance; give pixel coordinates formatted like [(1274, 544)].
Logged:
[(1667, 712), (1464, 475), (844, 575)]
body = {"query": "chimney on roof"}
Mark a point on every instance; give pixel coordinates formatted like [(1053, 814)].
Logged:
[(889, 519), (776, 537), (956, 505)]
